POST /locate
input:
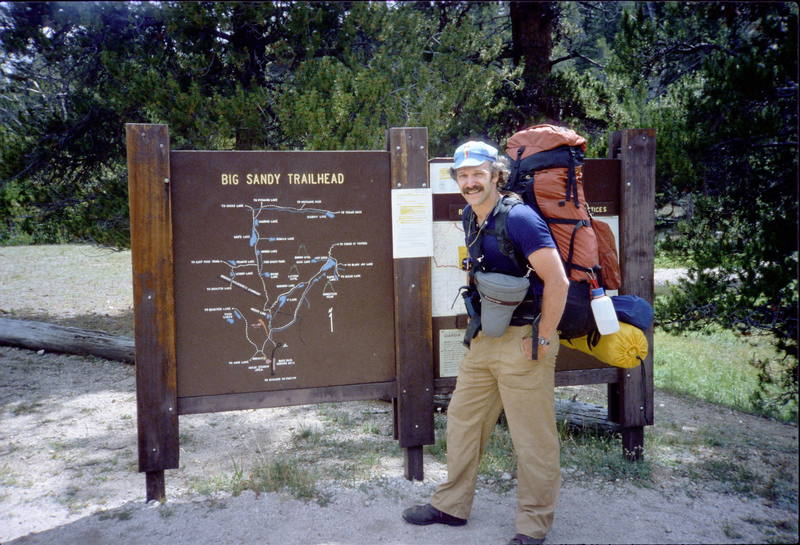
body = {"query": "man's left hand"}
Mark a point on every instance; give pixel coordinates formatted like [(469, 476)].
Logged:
[(527, 348)]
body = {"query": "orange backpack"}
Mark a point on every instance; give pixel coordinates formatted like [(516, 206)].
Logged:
[(547, 171)]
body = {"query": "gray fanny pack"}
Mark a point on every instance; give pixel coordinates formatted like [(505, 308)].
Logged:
[(500, 296)]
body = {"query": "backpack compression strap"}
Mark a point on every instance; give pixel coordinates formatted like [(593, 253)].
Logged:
[(561, 157), (568, 264)]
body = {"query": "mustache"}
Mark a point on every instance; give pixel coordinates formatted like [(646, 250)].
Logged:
[(477, 188)]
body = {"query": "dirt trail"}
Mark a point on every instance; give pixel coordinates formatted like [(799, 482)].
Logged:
[(68, 456)]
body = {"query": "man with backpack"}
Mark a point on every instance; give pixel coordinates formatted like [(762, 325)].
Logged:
[(510, 365)]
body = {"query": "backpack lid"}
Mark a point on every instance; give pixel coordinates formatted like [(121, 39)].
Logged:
[(542, 138)]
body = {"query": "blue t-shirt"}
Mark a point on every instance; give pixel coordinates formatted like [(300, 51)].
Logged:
[(528, 232)]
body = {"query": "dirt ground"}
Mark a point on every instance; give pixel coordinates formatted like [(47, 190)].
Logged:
[(68, 459)]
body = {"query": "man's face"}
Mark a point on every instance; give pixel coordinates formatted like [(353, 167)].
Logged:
[(477, 184)]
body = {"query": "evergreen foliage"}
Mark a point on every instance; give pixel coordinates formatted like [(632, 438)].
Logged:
[(717, 80)]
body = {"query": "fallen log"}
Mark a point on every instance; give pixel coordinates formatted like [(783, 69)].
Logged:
[(66, 340), (581, 416)]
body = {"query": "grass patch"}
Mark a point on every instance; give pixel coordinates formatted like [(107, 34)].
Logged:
[(119, 514), (599, 455), (26, 408), (585, 452), (7, 476), (715, 367), (776, 531), (314, 455), (730, 476), (286, 475), (439, 448), (665, 260)]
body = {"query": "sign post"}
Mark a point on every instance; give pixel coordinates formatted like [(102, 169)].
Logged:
[(154, 325), (631, 398), (412, 210)]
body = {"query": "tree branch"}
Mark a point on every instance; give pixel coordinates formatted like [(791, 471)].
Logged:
[(577, 56)]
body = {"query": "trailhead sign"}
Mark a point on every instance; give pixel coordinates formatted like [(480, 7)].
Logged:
[(283, 270)]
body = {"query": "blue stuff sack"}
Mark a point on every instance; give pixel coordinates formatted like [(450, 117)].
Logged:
[(633, 310)]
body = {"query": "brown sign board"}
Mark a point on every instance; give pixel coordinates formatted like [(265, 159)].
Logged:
[(601, 186), (283, 270)]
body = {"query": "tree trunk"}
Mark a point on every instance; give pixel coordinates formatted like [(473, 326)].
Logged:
[(532, 25), (64, 339)]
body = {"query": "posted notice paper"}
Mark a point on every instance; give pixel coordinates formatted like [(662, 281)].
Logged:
[(412, 223)]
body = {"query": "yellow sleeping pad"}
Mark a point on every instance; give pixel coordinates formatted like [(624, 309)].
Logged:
[(621, 349)]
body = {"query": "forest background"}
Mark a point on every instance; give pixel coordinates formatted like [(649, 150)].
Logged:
[(717, 80)]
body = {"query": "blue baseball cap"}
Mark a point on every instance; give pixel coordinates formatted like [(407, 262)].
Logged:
[(473, 153)]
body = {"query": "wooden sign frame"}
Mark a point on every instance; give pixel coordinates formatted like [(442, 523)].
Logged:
[(630, 391), (152, 244)]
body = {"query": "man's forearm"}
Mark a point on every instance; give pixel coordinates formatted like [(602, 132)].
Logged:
[(554, 297)]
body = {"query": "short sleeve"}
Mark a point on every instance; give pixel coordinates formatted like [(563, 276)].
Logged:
[(527, 230)]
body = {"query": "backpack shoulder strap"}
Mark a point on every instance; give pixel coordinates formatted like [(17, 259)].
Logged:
[(467, 217), (501, 225), (500, 232)]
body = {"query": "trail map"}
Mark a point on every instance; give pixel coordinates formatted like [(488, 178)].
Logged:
[(281, 276)]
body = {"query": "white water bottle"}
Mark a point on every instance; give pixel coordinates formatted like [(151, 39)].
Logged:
[(604, 314)]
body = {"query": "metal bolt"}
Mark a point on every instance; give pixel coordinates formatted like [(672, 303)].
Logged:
[(628, 375), (413, 286), (641, 408), (166, 180), (149, 297), (641, 278), (397, 148), (628, 184), (422, 147), (416, 425)]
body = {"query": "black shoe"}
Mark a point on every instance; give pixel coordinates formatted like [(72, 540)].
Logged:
[(428, 514), (522, 539)]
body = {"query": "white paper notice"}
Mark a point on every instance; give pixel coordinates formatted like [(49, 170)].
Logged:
[(439, 175), (451, 351), (412, 223), (613, 222)]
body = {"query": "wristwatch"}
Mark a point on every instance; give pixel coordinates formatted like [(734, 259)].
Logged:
[(541, 341)]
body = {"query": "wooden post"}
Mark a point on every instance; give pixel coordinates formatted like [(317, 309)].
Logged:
[(408, 149), (631, 399), (151, 250)]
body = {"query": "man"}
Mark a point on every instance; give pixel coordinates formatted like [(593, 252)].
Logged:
[(500, 372)]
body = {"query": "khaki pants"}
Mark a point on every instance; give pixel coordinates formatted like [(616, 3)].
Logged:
[(496, 374)]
